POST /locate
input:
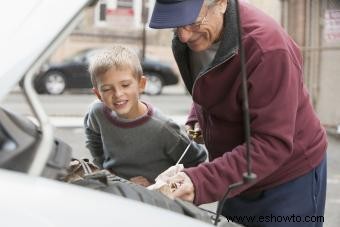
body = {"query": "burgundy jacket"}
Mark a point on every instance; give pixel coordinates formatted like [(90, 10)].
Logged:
[(287, 139)]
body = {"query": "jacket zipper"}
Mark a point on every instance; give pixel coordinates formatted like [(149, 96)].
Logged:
[(207, 131), (203, 74)]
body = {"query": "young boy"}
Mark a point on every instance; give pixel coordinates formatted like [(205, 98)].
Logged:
[(125, 135)]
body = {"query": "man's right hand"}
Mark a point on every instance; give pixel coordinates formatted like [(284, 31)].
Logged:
[(194, 132), (184, 188)]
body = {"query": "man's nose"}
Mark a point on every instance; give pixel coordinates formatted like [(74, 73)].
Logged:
[(183, 34)]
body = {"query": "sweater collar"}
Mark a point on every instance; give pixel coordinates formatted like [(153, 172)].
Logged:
[(128, 124)]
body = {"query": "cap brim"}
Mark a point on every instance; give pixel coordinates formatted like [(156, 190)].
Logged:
[(172, 15)]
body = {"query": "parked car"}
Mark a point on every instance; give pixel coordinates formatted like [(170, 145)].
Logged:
[(32, 159), (54, 79)]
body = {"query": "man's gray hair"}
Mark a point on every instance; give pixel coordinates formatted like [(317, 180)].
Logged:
[(117, 58)]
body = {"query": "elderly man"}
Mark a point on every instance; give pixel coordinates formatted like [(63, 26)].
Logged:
[(288, 143)]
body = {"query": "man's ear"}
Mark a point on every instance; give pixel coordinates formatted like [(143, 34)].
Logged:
[(96, 92), (222, 5), (142, 83)]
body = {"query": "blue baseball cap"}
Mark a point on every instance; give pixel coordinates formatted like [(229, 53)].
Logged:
[(175, 13)]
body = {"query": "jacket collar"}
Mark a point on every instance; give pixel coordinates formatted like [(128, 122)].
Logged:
[(228, 46)]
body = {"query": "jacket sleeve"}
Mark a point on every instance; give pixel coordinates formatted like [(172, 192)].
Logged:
[(94, 139), (274, 86), (192, 117), (176, 141)]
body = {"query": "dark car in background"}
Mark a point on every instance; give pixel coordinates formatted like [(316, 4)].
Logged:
[(72, 73)]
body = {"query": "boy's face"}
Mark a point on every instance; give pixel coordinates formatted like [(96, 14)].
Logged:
[(119, 90)]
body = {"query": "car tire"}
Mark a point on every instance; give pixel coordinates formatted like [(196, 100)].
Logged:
[(154, 84), (54, 83), (39, 89)]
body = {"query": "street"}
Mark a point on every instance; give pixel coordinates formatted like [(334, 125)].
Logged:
[(68, 109)]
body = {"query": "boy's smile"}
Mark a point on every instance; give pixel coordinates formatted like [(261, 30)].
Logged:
[(120, 104), (120, 90)]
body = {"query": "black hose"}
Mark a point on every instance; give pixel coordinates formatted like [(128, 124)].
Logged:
[(248, 176)]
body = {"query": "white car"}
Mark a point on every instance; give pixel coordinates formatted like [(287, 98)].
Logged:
[(31, 158)]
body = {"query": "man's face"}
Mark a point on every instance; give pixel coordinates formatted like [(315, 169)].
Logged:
[(206, 30), (119, 90)]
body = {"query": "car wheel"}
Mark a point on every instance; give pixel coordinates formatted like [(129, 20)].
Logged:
[(39, 89), (154, 84), (54, 83)]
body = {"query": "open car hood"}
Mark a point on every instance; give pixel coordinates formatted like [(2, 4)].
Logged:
[(31, 201), (27, 29), (30, 30)]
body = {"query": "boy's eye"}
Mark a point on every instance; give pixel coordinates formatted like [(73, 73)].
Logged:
[(105, 89), (125, 85)]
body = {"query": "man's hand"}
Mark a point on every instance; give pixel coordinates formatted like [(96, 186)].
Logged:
[(182, 187), (163, 178), (170, 172), (177, 183), (140, 180), (194, 132)]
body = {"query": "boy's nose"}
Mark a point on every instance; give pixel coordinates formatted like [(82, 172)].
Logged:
[(183, 34), (118, 92)]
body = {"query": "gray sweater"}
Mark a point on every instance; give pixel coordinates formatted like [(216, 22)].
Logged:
[(145, 146)]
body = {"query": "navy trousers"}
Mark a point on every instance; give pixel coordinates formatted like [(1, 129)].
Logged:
[(300, 202)]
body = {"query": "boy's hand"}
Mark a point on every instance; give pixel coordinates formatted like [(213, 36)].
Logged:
[(140, 180), (194, 132)]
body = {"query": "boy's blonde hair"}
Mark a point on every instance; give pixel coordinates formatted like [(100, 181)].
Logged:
[(117, 57)]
